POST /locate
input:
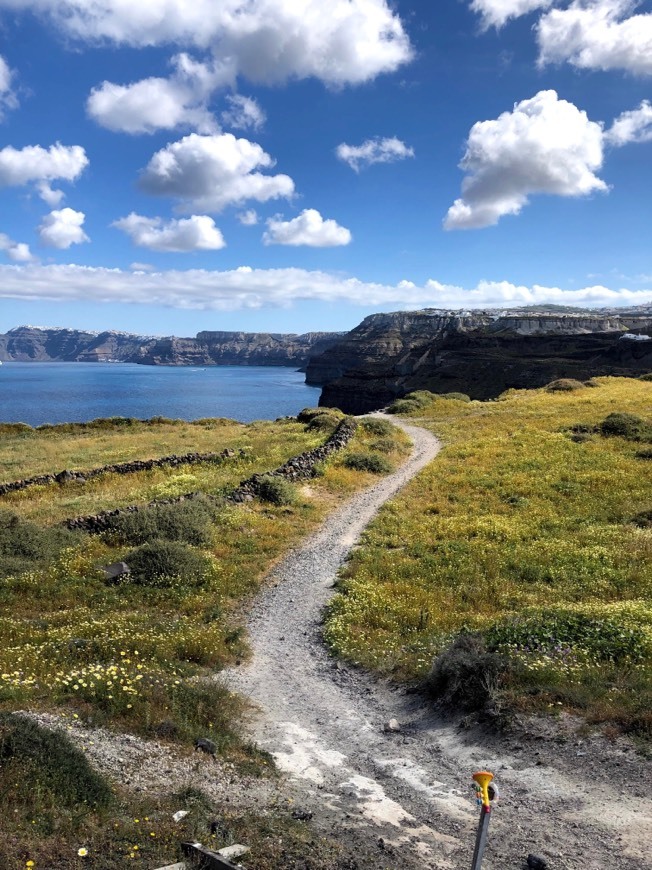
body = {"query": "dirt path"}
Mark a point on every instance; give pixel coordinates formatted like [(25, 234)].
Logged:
[(403, 800)]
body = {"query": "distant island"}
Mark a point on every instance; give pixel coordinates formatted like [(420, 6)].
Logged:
[(480, 353)]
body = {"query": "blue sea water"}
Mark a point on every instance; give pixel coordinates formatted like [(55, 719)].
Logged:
[(38, 393)]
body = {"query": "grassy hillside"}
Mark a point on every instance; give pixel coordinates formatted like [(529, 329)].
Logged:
[(138, 655), (532, 533)]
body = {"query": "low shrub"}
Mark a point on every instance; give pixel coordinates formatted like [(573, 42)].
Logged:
[(384, 445), (327, 421), (423, 397), (580, 437), (308, 414), (646, 377), (187, 521), (15, 429), (627, 426), (592, 382), (460, 397), (564, 385), (51, 769), (404, 406), (159, 563), (276, 490), (23, 544), (643, 520), (466, 674), (375, 426), (367, 462), (644, 454)]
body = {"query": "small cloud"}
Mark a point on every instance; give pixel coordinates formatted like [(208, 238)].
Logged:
[(632, 126), (309, 228), (63, 228), (196, 233), (8, 98), (157, 103), (248, 218), (49, 195), (600, 35), (40, 166), (244, 113), (496, 12), (373, 151), (18, 252), (208, 173), (142, 267)]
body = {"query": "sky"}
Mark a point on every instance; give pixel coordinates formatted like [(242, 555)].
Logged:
[(171, 166)]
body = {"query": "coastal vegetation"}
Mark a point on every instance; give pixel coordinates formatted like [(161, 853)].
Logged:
[(137, 651), (522, 556)]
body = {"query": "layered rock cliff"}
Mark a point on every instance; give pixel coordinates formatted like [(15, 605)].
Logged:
[(478, 353), (238, 348), (35, 344)]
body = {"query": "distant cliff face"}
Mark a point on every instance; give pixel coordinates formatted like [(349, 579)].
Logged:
[(33, 344), (238, 348), (479, 353)]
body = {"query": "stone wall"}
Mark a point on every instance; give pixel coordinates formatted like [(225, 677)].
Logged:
[(301, 467), (66, 476)]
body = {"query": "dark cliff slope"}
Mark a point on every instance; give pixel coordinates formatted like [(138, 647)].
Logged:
[(479, 353), (34, 344)]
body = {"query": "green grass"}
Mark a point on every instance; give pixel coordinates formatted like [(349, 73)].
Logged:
[(517, 531), (123, 654), (142, 658), (265, 445)]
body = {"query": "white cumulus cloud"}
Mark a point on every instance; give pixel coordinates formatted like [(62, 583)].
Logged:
[(160, 103), (632, 126), (246, 288), (63, 228), (309, 228), (243, 113), (545, 145), (602, 34), (340, 42), (496, 12), (373, 151), (34, 164), (8, 98), (196, 233), (208, 173), (19, 252)]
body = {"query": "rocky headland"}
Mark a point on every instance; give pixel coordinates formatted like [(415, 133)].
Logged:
[(481, 353)]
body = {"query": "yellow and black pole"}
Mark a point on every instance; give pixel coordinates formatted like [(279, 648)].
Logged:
[(487, 794)]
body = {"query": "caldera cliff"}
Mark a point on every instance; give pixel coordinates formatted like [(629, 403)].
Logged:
[(36, 344), (478, 353)]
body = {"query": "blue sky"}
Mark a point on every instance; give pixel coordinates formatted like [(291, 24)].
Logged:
[(169, 166)]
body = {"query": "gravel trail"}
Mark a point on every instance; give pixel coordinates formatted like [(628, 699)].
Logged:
[(403, 799)]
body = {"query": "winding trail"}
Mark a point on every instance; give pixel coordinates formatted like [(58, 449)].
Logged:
[(403, 799)]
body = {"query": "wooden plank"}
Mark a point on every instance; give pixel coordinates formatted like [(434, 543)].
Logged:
[(205, 859)]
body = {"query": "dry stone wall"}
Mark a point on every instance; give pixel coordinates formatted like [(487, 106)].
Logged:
[(301, 467), (67, 476)]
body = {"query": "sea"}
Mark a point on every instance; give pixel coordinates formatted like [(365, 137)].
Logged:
[(55, 392)]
